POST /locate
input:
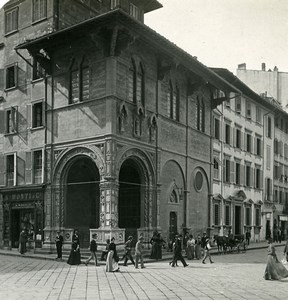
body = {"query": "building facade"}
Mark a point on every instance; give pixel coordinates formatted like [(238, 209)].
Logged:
[(103, 125)]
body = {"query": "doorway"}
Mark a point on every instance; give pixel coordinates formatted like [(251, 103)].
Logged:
[(237, 221), (82, 198), (129, 198)]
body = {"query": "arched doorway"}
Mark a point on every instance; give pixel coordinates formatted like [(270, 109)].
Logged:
[(129, 198), (82, 198)]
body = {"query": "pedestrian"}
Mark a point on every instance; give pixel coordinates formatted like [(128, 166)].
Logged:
[(286, 250), (154, 242), (139, 253), (127, 251), (178, 252), (93, 250), (274, 268), (206, 247), (279, 235), (198, 246), (190, 247), (247, 237), (112, 258), (105, 252), (173, 248), (22, 242), (75, 256), (59, 244)]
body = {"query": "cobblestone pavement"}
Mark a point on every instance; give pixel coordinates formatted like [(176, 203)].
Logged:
[(232, 276)]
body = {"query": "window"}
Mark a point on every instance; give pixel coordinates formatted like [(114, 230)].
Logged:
[(11, 77), (237, 172), (132, 82), (248, 110), (141, 86), (257, 216), (39, 10), (79, 83), (280, 197), (216, 214), (269, 127), (227, 103), (37, 114), (12, 119), (268, 189), (37, 70), (115, 3), (248, 142), (258, 178), (276, 146), (11, 170), (276, 195), (248, 175), (258, 144), (37, 166), (200, 110), (227, 134), (227, 215), (227, 170), (238, 138), (248, 215), (173, 102), (134, 11), (217, 129), (238, 105), (268, 157), (11, 20), (216, 169), (258, 115)]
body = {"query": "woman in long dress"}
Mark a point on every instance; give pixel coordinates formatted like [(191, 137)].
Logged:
[(155, 248), (198, 247), (190, 247), (112, 258), (75, 256), (274, 268)]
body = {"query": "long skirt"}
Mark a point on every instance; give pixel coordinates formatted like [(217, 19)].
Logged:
[(198, 251), (275, 269), (190, 252), (111, 264), (74, 257)]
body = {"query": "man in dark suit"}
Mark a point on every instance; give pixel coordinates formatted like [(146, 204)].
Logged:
[(178, 252), (127, 254), (59, 244)]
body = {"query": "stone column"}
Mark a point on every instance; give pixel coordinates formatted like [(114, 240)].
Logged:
[(109, 213)]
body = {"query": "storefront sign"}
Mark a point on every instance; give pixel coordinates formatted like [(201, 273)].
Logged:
[(26, 196)]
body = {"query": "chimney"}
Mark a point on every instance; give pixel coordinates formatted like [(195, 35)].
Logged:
[(242, 66), (263, 67), (275, 69)]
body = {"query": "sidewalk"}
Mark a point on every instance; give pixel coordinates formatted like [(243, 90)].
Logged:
[(165, 254)]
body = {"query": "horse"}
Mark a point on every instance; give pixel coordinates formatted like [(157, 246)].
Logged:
[(221, 243)]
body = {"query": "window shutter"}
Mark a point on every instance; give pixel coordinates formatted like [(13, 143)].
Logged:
[(232, 171), (28, 171), (2, 81), (44, 113), (251, 176), (29, 115), (2, 122), (28, 70), (234, 136), (224, 170), (14, 111), (15, 169), (231, 135), (43, 167), (242, 174), (2, 170), (20, 168), (245, 141), (255, 145)]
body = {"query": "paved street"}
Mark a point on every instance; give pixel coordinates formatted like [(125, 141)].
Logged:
[(232, 276)]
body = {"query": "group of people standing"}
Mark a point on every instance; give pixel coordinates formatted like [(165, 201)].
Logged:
[(195, 247)]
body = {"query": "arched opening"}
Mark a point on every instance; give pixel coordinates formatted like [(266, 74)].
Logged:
[(82, 198), (130, 197)]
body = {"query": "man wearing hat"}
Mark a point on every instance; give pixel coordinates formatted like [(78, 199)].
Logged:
[(59, 244), (139, 252), (178, 252), (93, 250), (127, 253)]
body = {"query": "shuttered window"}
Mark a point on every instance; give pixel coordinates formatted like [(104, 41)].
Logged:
[(11, 20), (37, 166), (39, 10)]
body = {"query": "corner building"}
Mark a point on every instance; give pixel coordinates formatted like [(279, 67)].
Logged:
[(121, 142)]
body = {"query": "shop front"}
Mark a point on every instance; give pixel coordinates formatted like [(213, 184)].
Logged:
[(22, 210)]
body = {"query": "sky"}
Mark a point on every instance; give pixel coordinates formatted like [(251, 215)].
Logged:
[(225, 33)]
